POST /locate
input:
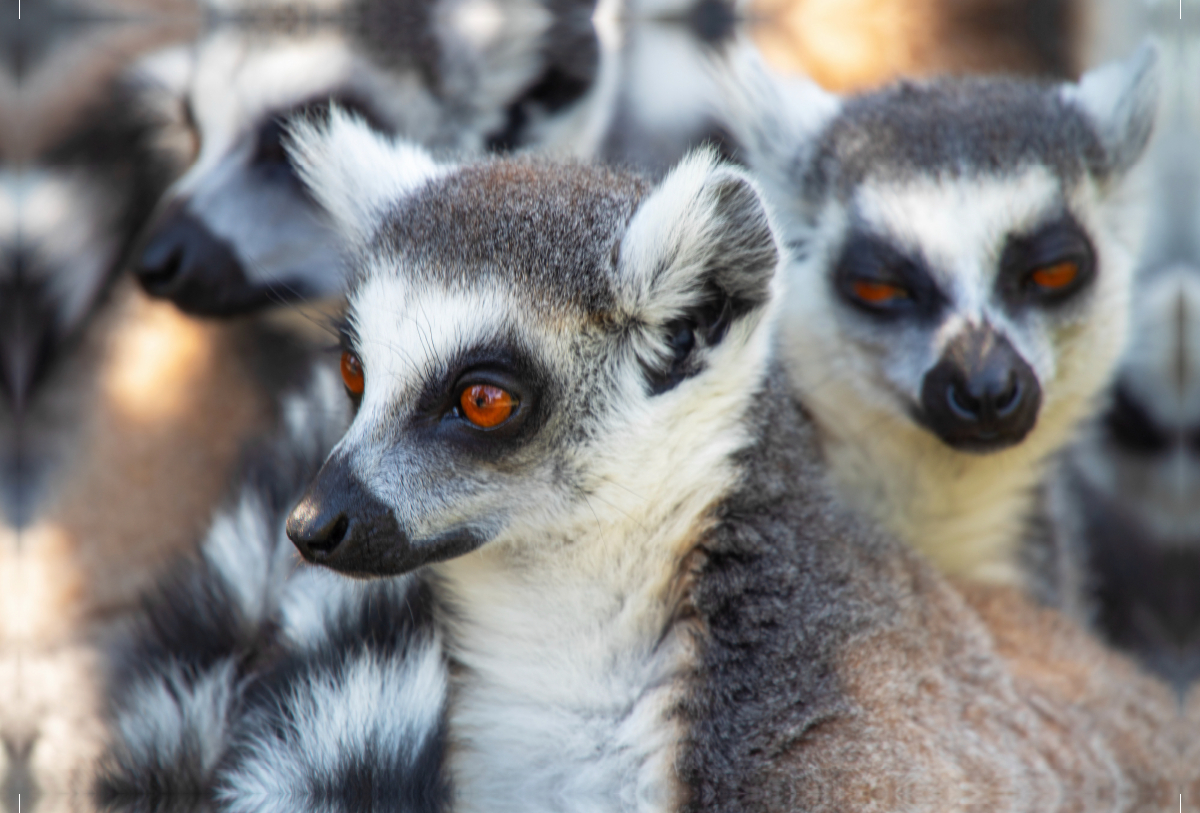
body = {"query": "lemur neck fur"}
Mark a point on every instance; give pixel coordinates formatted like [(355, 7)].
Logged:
[(966, 512), (569, 647)]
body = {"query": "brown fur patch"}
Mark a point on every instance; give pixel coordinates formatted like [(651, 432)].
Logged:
[(989, 703)]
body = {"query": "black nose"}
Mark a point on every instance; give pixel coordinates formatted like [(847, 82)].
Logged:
[(316, 528), (981, 396), (340, 524), (182, 260)]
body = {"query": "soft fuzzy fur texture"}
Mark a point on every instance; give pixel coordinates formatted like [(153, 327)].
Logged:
[(177, 678), (647, 593), (464, 75), (947, 173), (261, 686), (667, 607)]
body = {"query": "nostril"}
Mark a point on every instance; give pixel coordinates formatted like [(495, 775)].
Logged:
[(961, 403), (1007, 402), (315, 533), (326, 542), (161, 262)]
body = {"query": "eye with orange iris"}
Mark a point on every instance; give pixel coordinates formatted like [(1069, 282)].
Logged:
[(878, 293), (352, 373), (487, 406), (1055, 277)]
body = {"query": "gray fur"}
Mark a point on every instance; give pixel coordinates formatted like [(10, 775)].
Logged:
[(788, 583), (960, 126), (553, 244), (814, 657)]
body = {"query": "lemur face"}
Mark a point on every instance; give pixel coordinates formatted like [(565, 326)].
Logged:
[(238, 231), (967, 302), (961, 254), (1143, 453), (520, 334)]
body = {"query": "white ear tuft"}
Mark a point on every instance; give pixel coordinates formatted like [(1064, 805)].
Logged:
[(1121, 99), (354, 172), (772, 117), (703, 238)]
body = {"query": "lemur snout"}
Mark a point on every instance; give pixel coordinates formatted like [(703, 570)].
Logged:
[(341, 525), (183, 261), (981, 396)]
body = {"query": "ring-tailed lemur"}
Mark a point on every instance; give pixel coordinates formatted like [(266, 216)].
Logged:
[(570, 420), (961, 258), (237, 232)]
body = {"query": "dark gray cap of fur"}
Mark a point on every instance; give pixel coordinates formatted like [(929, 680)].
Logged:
[(956, 126), (548, 236)]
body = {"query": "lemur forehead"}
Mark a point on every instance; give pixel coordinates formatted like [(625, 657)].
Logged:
[(544, 231), (962, 126), (949, 218)]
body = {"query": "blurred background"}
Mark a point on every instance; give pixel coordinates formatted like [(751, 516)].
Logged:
[(164, 278)]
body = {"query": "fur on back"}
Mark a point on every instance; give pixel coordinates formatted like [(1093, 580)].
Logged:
[(838, 671)]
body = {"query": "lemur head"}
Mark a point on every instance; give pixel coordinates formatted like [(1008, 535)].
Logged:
[(961, 249), (238, 231), (524, 338)]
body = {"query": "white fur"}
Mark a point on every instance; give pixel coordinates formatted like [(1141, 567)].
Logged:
[(177, 715), (562, 701), (355, 172), (245, 546), (367, 707), (773, 116), (1117, 97)]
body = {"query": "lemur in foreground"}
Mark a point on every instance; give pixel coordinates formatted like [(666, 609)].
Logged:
[(960, 259), (572, 425)]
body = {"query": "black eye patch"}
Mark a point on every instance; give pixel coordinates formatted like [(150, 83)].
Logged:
[(439, 417), (876, 278), (1048, 266)]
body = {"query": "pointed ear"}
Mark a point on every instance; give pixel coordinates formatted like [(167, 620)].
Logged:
[(698, 258), (1121, 100), (354, 172), (774, 118)]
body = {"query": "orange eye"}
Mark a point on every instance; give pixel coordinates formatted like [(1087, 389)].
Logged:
[(1057, 276), (352, 373), (878, 293), (487, 406)]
